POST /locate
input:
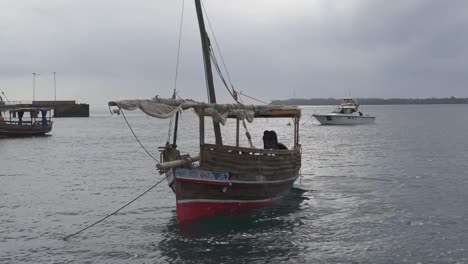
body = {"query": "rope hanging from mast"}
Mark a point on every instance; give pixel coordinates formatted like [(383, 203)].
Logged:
[(179, 44), (169, 132), (233, 93), (218, 70), (216, 43), (5, 96)]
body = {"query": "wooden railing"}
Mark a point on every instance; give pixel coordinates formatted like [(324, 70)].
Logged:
[(17, 102), (29, 123), (275, 163)]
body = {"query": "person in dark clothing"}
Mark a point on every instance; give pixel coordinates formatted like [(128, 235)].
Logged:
[(44, 117), (20, 117), (270, 141)]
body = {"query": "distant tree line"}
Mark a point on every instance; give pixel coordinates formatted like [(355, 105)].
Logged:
[(372, 101)]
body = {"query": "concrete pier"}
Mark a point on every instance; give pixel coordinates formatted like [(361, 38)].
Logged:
[(65, 108), (61, 108)]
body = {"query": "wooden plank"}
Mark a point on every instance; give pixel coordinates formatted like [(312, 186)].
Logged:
[(186, 190), (247, 161), (248, 157), (237, 132), (202, 129), (250, 167), (249, 150)]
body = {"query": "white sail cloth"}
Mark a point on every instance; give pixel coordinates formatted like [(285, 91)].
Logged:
[(149, 107), (222, 117), (166, 108)]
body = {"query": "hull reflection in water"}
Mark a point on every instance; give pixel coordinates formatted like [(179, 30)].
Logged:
[(192, 210), (259, 235)]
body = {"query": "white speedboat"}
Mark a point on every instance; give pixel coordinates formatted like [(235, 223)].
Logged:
[(345, 114)]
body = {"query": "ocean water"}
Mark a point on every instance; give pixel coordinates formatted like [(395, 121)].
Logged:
[(392, 192)]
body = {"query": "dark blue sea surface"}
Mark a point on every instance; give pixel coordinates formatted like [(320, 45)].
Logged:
[(392, 192)]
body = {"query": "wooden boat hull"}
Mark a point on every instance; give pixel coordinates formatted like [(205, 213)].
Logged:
[(200, 198), (15, 130), (203, 191)]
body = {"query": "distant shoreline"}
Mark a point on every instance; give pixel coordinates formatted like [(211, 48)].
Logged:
[(373, 101)]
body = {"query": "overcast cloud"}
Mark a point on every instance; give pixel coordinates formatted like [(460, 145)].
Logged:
[(116, 49)]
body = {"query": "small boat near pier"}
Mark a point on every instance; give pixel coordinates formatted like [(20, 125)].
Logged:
[(25, 121)]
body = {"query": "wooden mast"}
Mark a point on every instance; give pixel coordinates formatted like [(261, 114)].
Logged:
[(208, 73), (176, 125)]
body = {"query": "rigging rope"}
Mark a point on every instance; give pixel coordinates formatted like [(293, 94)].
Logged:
[(310, 117), (169, 132), (178, 48), (215, 63), (5, 95), (116, 211), (258, 100), (216, 42), (138, 140), (233, 93)]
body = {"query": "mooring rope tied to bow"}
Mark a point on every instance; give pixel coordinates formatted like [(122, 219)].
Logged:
[(137, 139), (116, 211)]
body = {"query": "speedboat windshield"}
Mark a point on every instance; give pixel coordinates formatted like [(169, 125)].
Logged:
[(338, 110), (344, 110)]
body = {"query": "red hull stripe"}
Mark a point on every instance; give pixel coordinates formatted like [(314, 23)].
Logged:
[(189, 210)]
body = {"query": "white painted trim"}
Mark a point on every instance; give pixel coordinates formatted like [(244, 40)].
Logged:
[(200, 179), (227, 201), (265, 182), (241, 182)]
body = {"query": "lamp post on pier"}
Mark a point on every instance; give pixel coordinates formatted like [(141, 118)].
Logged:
[(34, 85), (55, 88)]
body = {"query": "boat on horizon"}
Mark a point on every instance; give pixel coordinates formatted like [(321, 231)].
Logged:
[(223, 179), (36, 122), (347, 113)]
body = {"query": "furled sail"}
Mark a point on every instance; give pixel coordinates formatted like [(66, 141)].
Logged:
[(166, 108), (149, 107)]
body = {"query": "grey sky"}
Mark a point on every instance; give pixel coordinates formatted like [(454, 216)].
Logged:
[(115, 49)]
